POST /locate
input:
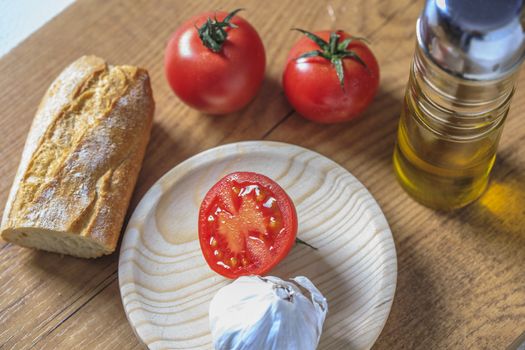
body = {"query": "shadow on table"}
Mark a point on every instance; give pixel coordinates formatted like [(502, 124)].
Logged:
[(69, 275), (162, 154), (415, 303), (251, 122), (499, 214), (383, 119), (369, 137)]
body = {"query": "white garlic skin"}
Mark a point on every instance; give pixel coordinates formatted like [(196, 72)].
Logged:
[(258, 313)]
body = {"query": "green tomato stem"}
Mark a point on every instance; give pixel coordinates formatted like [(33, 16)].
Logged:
[(300, 241), (213, 33), (333, 51)]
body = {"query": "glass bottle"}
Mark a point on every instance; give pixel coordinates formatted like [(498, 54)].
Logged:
[(458, 95)]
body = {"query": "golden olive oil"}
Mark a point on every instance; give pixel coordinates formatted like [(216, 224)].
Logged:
[(448, 134)]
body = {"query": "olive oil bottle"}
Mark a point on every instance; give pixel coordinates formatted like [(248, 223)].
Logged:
[(460, 87)]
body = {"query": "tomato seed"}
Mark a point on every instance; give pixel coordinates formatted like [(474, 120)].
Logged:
[(236, 190), (213, 242), (233, 261), (273, 223), (217, 253)]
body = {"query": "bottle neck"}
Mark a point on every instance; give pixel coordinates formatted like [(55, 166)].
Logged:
[(460, 95), (460, 108)]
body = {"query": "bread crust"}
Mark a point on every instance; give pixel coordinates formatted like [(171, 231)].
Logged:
[(82, 158)]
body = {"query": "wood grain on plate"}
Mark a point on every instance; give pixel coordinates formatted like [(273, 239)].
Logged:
[(166, 285), (460, 277)]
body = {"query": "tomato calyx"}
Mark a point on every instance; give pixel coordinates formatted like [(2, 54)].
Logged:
[(213, 34), (334, 51)]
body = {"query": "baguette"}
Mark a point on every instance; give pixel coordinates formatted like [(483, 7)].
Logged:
[(81, 160)]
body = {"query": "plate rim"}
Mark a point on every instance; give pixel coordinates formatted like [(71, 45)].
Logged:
[(389, 284)]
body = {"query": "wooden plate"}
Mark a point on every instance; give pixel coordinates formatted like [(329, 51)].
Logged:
[(166, 285)]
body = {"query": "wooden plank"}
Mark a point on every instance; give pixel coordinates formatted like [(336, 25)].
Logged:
[(461, 274)]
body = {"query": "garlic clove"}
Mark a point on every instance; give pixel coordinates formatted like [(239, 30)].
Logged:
[(267, 313), (318, 300)]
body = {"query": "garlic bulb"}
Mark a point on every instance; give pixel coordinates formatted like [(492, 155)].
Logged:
[(267, 313)]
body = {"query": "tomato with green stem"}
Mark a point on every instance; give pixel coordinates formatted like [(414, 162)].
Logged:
[(215, 62), (330, 76), (247, 225)]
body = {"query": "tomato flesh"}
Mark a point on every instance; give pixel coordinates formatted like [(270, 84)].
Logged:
[(247, 224)]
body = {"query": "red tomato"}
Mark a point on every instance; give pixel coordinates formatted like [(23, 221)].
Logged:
[(247, 224), (312, 84), (215, 82)]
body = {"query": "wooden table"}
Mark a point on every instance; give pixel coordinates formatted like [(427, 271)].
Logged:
[(461, 280)]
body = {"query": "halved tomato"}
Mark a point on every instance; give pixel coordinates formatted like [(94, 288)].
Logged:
[(247, 224)]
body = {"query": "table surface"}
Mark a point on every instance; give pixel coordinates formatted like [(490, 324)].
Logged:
[(461, 275)]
